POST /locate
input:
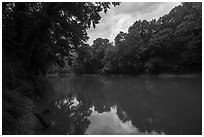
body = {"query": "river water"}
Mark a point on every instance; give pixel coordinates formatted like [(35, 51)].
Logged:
[(92, 104)]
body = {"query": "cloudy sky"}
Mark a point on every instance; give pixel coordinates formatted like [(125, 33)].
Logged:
[(120, 18)]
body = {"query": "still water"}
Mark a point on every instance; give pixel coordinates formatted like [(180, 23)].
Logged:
[(92, 104)]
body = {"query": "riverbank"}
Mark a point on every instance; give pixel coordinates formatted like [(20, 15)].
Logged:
[(20, 91), (160, 75), (18, 108), (197, 75)]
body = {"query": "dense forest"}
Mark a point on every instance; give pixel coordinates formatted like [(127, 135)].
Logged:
[(171, 44), (39, 37)]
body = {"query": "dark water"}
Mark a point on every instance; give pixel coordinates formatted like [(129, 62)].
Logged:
[(122, 105)]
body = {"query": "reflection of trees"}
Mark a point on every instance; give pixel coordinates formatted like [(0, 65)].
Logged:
[(122, 114), (155, 104), (150, 103), (65, 118), (125, 93), (129, 95), (92, 89)]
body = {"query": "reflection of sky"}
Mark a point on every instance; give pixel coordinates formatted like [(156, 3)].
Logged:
[(71, 103), (110, 123), (74, 102)]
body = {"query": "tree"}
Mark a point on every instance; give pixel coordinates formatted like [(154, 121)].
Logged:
[(98, 52), (82, 60), (171, 44), (46, 32), (110, 60)]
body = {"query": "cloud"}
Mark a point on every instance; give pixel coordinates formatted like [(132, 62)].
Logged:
[(137, 7), (120, 18)]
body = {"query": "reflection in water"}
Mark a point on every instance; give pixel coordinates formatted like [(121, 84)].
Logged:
[(69, 103), (122, 105), (108, 123), (68, 116)]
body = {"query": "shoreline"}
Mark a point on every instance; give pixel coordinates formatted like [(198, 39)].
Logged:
[(160, 75)]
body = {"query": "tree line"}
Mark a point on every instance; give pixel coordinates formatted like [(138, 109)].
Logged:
[(170, 44)]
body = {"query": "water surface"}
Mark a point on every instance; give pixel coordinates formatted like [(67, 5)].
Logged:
[(91, 104)]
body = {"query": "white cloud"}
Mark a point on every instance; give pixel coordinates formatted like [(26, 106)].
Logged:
[(120, 18)]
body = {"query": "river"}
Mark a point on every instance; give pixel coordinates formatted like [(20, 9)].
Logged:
[(93, 104)]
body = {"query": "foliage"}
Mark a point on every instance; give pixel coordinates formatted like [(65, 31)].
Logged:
[(171, 44), (41, 34)]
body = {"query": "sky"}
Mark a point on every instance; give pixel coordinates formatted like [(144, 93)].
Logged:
[(120, 18)]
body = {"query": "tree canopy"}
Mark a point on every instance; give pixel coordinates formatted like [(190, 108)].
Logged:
[(171, 44), (44, 33)]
